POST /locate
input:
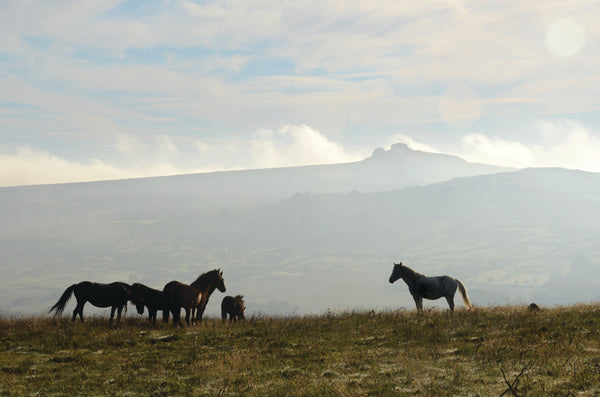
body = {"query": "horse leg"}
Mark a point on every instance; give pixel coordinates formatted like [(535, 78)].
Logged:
[(78, 310), (176, 317), (200, 310), (112, 314), (418, 303), (119, 310), (176, 320), (187, 316), (450, 299)]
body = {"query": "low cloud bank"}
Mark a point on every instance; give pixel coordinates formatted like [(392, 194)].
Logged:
[(566, 144), (161, 155)]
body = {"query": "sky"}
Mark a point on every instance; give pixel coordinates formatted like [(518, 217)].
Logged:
[(117, 89)]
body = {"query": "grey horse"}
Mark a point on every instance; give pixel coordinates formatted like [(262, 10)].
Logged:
[(421, 286)]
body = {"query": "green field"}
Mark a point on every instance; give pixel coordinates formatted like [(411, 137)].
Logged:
[(488, 352)]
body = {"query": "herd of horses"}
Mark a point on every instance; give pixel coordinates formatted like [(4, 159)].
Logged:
[(193, 298), (175, 296)]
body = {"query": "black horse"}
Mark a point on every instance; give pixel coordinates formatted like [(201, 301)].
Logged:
[(113, 295), (234, 307), (153, 299)]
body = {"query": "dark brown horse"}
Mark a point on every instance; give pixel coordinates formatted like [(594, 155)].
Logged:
[(113, 295), (421, 286), (153, 299), (234, 307), (194, 297)]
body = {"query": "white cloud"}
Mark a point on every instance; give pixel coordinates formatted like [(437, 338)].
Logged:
[(291, 145), (84, 69), (160, 155), (295, 145), (159, 147), (568, 144), (478, 148), (446, 43), (564, 143), (411, 143), (27, 166), (127, 144), (166, 147)]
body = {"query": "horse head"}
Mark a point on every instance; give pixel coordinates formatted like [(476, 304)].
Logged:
[(137, 297), (239, 306), (209, 281), (220, 283), (396, 272)]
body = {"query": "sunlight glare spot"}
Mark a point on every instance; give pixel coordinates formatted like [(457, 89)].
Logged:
[(565, 37)]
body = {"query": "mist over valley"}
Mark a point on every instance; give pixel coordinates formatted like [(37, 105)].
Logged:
[(314, 238)]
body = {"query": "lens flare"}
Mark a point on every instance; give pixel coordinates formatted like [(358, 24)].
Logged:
[(565, 37)]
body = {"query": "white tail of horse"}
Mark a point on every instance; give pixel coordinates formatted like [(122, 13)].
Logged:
[(465, 296)]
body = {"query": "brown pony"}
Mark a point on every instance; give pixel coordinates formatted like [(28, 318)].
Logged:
[(194, 297), (234, 307)]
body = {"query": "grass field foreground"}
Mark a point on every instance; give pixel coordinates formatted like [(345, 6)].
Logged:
[(491, 351)]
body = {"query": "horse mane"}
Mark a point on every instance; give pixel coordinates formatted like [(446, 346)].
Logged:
[(407, 271), (202, 281)]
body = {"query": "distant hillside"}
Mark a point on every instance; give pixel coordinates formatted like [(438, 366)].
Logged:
[(396, 168), (510, 237)]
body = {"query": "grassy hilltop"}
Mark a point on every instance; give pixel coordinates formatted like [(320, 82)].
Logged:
[(486, 352)]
